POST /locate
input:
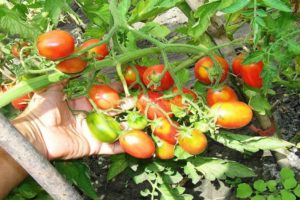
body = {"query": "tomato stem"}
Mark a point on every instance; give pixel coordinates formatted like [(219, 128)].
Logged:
[(122, 78)]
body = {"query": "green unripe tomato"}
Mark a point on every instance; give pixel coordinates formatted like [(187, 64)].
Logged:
[(136, 121), (103, 128)]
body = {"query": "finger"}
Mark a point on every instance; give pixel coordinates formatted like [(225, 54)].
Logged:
[(110, 149), (81, 103)]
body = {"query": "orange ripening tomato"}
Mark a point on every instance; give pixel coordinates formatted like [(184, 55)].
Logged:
[(152, 75), (104, 96), (205, 64), (223, 94), (101, 51), (178, 101), (251, 74), (21, 103), (237, 65), (137, 144), (130, 76), (232, 115), (163, 129), (153, 111), (55, 44), (193, 141), (164, 150), (72, 65)]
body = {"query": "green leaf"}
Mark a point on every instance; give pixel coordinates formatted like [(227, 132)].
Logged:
[(213, 168), (244, 190), (181, 154), (294, 47), (183, 76), (260, 104), (155, 30), (254, 57), (118, 165), (140, 178), (178, 111), (55, 8), (297, 191), (236, 6), (289, 183), (287, 195), (268, 74), (258, 197), (203, 13), (244, 143), (260, 185), (29, 188), (271, 184), (190, 171), (13, 24), (170, 193), (123, 7), (278, 4), (273, 197), (286, 173), (146, 9), (77, 172)]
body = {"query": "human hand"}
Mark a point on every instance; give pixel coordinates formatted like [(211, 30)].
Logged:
[(52, 128)]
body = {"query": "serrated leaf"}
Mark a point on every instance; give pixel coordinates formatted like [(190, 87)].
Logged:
[(190, 171), (213, 168), (286, 173), (244, 190), (155, 30), (55, 8), (169, 193), (244, 143), (260, 104), (271, 184), (118, 165), (260, 185), (77, 172), (183, 76), (236, 6), (254, 57), (175, 178), (268, 74), (287, 195), (278, 4), (146, 9), (13, 24), (140, 178), (181, 154), (289, 183), (294, 47), (297, 191), (123, 7)]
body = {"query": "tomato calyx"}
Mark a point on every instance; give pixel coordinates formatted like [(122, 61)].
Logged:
[(136, 121)]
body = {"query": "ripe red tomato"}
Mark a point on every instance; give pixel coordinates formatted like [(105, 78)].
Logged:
[(232, 115), (164, 150), (101, 51), (16, 48), (151, 76), (104, 96), (55, 44), (130, 76), (153, 111), (72, 65), (237, 65), (205, 64), (251, 74), (137, 144), (223, 94), (178, 101), (163, 129), (21, 103), (192, 141)]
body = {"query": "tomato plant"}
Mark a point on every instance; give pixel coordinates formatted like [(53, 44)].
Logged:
[(192, 141), (100, 51), (104, 96), (222, 94), (137, 144), (251, 74), (231, 115), (237, 65), (16, 48), (164, 150), (55, 44), (165, 130), (156, 79), (131, 77), (72, 65), (178, 100), (136, 121), (205, 71)]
